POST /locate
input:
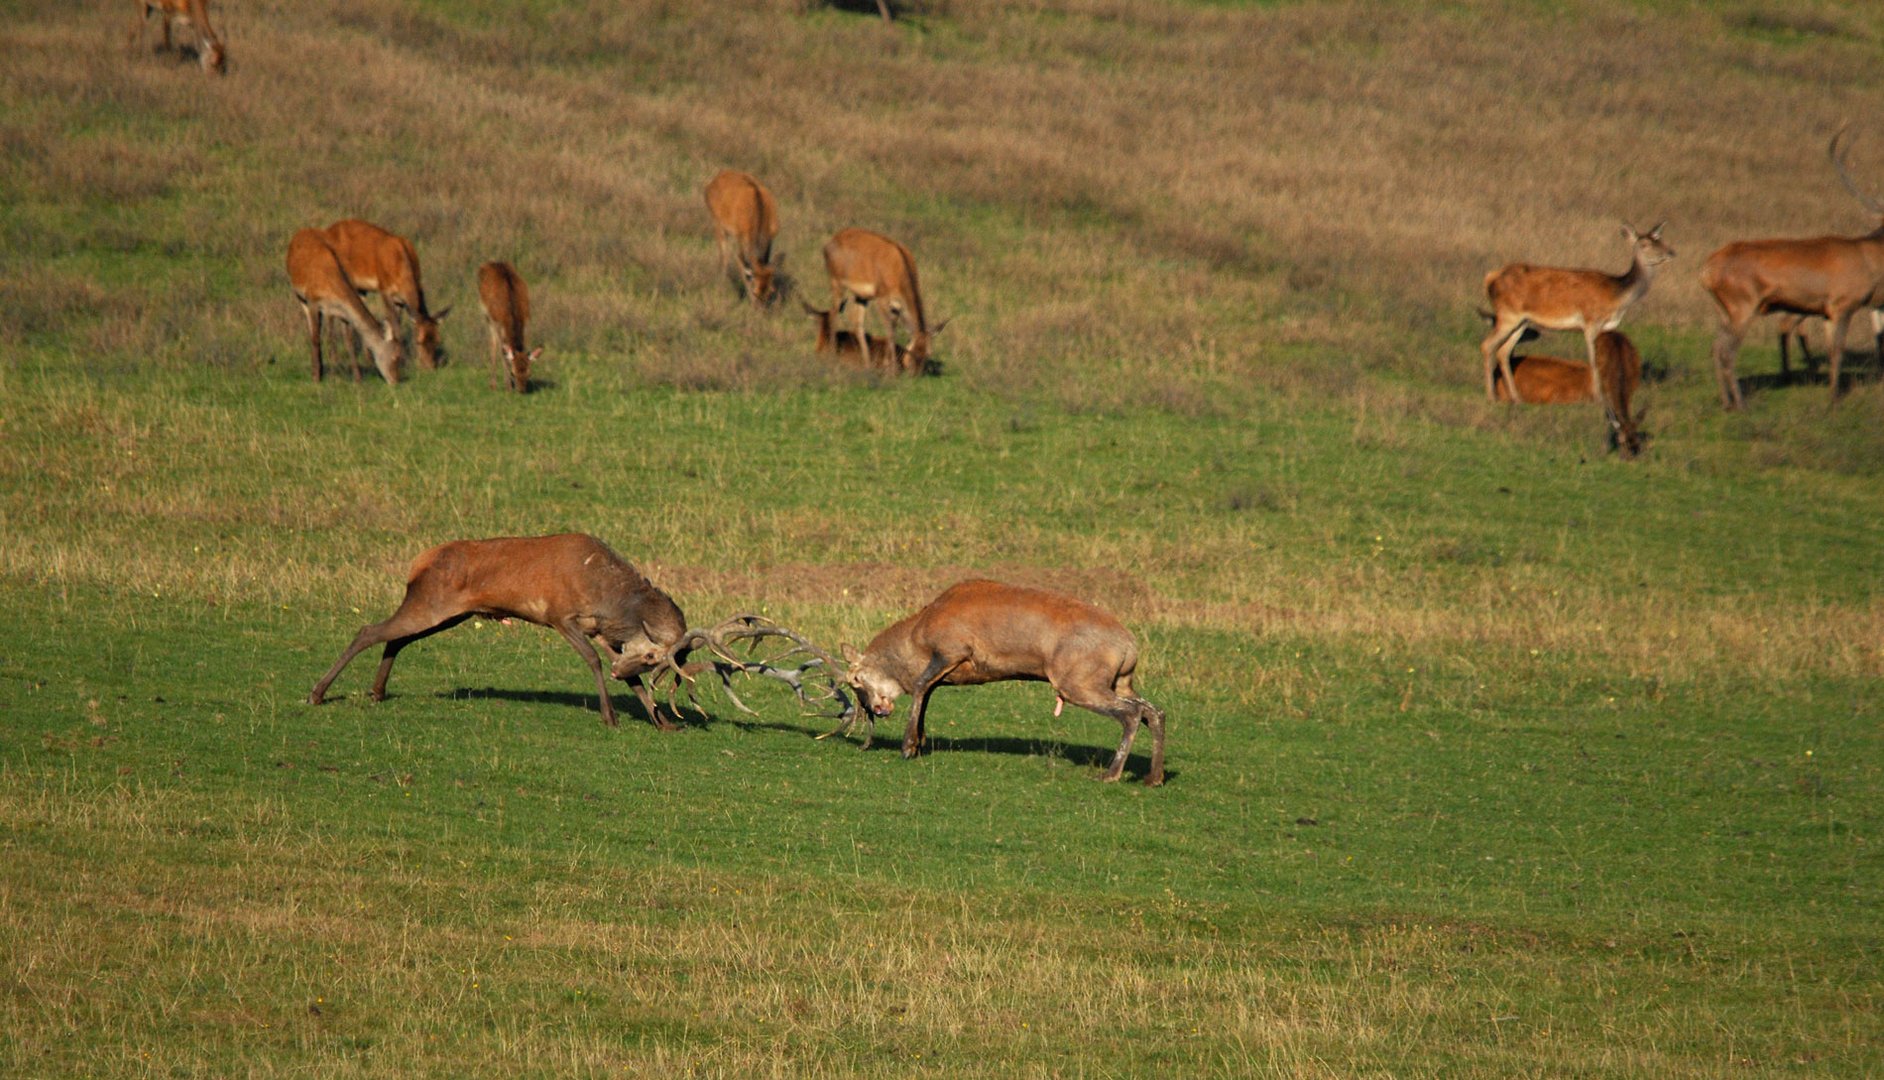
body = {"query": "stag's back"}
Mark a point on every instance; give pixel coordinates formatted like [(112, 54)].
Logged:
[(1013, 631)]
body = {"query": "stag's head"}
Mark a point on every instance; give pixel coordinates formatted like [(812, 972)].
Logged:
[(1650, 250), (876, 688), (660, 645)]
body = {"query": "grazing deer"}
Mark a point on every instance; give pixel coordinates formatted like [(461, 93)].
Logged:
[(1554, 299), (865, 267), (325, 291), (1550, 380), (572, 583), (883, 354), (385, 263), (983, 631), (507, 305), (745, 220), (191, 13), (1832, 277)]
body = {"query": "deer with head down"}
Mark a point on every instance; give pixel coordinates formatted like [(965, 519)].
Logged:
[(1551, 298), (1832, 277), (506, 302), (745, 222), (984, 631), (1551, 380), (325, 291), (386, 263), (867, 267), (576, 585), (883, 353), (191, 13)]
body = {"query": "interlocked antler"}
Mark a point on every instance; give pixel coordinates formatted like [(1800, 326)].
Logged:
[(1838, 157), (814, 676)]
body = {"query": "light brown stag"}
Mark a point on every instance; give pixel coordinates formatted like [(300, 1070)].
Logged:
[(1551, 380), (386, 263), (578, 586), (866, 267), (507, 308), (325, 291), (745, 221), (1550, 298), (191, 13), (983, 631), (1832, 277)]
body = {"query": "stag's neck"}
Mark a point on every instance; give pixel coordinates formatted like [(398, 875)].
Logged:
[(1633, 283)]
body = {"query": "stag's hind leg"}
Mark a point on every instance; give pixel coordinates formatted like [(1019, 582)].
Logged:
[(1110, 694), (1497, 348), (407, 625)]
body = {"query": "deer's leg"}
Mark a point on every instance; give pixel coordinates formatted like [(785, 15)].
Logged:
[(1497, 348), (1788, 326), (646, 696), (314, 336), (931, 677), (1877, 332), (1596, 377), (580, 642), (497, 358), (1726, 345), (405, 626), (1835, 344)]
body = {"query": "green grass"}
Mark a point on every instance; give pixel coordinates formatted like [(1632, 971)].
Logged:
[(1490, 755)]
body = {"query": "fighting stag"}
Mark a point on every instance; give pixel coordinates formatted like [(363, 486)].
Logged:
[(1832, 277), (1551, 298), (386, 263), (191, 13), (578, 586), (984, 631), (745, 221)]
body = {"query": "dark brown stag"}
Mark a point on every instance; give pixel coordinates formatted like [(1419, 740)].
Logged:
[(983, 631), (1832, 277)]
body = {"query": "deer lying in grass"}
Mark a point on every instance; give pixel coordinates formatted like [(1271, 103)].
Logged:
[(325, 291), (866, 267), (1832, 277), (983, 631), (884, 354), (1550, 298), (507, 307), (1550, 380), (191, 13), (745, 221), (386, 263), (576, 585)]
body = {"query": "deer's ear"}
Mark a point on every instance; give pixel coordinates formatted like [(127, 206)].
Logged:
[(851, 655), (778, 261), (534, 353), (1656, 232), (439, 315)]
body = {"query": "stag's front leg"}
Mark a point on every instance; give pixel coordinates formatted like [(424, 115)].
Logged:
[(1835, 344), (939, 669)]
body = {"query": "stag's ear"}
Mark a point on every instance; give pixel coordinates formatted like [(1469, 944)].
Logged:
[(439, 315), (941, 326), (1628, 232), (534, 353), (1656, 232), (851, 655), (778, 261)]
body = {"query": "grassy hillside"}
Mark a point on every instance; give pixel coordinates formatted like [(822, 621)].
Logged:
[(1491, 755)]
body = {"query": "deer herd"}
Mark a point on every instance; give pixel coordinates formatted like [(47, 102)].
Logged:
[(975, 631)]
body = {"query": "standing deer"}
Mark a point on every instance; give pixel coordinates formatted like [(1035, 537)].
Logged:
[(1550, 298), (1832, 277), (865, 267), (325, 291), (745, 220), (191, 13), (572, 583), (385, 263), (507, 305), (1550, 380), (983, 631)]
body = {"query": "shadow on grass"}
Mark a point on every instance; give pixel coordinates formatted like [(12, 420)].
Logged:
[(1857, 368)]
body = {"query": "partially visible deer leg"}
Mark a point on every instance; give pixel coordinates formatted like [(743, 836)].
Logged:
[(580, 642), (932, 676)]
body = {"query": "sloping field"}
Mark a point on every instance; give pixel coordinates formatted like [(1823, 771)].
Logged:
[(1491, 755)]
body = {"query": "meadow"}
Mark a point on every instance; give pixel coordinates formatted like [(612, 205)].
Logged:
[(1491, 755)]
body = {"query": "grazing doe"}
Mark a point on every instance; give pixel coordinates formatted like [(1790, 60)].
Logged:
[(572, 583), (1551, 298), (386, 263), (1550, 380), (507, 305), (745, 221), (325, 291), (1832, 277), (865, 267), (983, 631), (191, 13)]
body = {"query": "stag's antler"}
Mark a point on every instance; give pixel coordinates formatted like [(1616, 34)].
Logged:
[(1870, 202), (797, 665)]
